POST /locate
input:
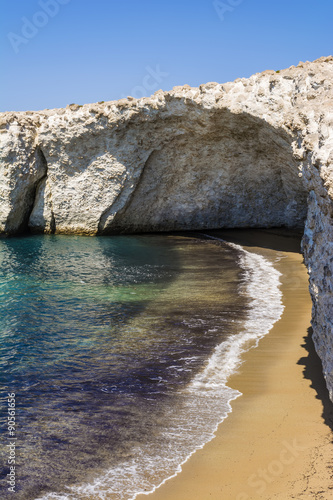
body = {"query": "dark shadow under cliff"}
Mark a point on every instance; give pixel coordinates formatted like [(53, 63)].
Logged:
[(313, 372)]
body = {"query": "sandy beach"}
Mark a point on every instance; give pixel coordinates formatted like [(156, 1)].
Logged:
[(277, 442)]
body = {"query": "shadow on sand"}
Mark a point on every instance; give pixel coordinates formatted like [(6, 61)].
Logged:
[(313, 372)]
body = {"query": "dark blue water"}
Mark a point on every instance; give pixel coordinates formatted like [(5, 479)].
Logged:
[(99, 336)]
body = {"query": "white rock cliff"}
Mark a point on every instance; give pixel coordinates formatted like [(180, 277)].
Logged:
[(256, 152)]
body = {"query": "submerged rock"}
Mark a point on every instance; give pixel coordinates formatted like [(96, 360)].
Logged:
[(257, 152)]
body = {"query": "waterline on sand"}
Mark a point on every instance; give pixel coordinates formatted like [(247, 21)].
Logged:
[(205, 402)]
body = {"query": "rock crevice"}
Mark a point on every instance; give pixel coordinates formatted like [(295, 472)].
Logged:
[(41, 218)]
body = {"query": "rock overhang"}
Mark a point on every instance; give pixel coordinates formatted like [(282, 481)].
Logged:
[(256, 152)]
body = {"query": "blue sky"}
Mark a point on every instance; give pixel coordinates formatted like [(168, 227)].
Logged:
[(58, 52)]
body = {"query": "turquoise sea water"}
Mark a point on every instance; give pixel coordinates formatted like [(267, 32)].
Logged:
[(101, 339)]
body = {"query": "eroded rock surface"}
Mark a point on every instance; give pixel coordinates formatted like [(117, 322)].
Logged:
[(256, 152)]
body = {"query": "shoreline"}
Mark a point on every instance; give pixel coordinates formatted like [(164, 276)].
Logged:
[(276, 442)]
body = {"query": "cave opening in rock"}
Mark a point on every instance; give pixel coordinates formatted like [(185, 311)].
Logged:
[(237, 171)]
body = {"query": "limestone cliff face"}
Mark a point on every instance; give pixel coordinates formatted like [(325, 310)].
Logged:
[(256, 152)]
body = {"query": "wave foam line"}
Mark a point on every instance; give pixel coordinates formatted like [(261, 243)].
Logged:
[(206, 399), (262, 288)]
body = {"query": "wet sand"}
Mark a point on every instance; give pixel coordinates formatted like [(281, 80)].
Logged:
[(277, 442)]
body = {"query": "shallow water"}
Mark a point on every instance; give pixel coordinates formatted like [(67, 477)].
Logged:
[(105, 342)]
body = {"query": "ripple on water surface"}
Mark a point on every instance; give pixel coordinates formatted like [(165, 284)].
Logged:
[(102, 340)]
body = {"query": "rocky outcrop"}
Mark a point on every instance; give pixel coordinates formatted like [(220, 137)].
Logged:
[(256, 152), (22, 165)]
